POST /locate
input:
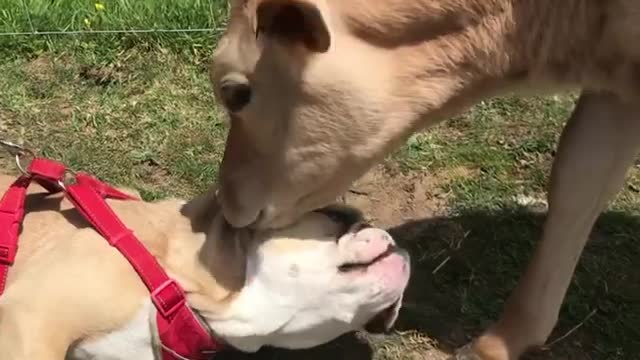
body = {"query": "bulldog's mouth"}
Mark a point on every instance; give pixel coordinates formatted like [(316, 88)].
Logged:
[(352, 221), (382, 322), (355, 266)]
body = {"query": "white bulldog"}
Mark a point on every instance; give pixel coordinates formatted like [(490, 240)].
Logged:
[(70, 295)]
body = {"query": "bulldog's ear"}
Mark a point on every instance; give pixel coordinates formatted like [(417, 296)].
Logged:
[(296, 22)]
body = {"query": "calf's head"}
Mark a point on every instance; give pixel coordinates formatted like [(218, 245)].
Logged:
[(308, 105)]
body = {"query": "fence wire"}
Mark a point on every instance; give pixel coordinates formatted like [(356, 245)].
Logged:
[(121, 31), (35, 32)]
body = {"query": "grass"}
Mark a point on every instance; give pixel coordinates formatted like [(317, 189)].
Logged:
[(100, 15), (137, 110), (123, 121)]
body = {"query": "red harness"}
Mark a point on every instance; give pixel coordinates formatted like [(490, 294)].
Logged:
[(181, 334)]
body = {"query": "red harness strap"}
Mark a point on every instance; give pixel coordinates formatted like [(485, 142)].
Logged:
[(181, 334)]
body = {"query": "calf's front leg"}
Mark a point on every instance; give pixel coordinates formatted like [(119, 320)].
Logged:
[(597, 147)]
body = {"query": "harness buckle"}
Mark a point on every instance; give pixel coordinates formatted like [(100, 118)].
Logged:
[(18, 152), (168, 298)]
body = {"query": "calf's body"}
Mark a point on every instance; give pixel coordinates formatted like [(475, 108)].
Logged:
[(318, 91)]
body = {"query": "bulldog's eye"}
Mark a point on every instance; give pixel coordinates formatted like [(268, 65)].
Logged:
[(235, 92)]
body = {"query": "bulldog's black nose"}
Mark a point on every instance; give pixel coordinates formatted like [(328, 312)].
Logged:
[(360, 226), (344, 215)]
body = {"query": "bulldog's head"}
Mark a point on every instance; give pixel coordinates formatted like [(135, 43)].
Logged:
[(304, 285)]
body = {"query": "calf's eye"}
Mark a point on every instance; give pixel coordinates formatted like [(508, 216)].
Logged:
[(235, 92)]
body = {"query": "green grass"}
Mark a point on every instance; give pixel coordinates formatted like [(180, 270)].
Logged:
[(90, 15), (137, 110), (68, 15), (124, 121)]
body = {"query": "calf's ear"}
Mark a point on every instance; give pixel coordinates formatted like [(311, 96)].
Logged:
[(294, 22)]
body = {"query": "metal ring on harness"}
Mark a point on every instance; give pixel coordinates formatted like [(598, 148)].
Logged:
[(18, 151), (69, 178)]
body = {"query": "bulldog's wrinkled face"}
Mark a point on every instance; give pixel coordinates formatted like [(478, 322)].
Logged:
[(308, 104), (314, 281)]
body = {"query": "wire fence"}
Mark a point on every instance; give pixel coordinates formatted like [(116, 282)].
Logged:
[(120, 31), (33, 31)]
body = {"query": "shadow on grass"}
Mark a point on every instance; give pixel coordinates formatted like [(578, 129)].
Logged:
[(464, 267)]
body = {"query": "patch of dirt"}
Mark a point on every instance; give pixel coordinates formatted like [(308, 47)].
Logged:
[(41, 68), (155, 174), (103, 75), (65, 109), (388, 197)]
